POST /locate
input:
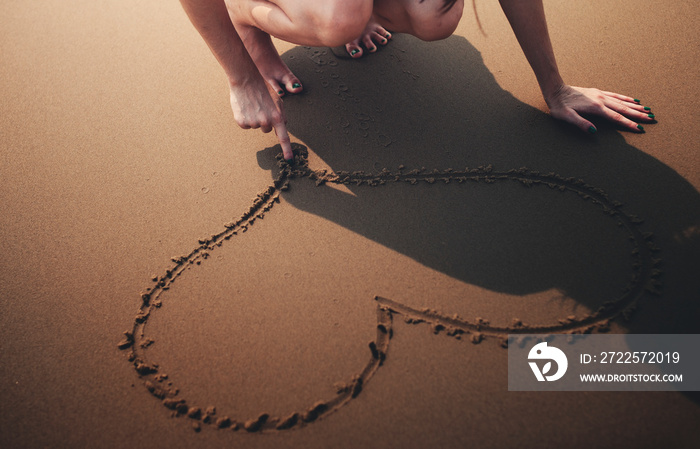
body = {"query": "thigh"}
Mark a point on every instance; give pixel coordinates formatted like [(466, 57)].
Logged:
[(304, 22)]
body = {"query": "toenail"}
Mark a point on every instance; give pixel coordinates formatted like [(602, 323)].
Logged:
[(296, 86), (373, 49), (384, 41), (280, 92), (354, 52)]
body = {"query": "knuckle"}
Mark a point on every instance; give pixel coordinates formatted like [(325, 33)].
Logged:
[(617, 117), (263, 121), (277, 118), (570, 114)]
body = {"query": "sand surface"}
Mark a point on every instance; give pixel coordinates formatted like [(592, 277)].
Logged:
[(361, 297)]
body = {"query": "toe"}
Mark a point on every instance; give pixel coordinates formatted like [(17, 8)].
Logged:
[(369, 44), (277, 87), (293, 85), (354, 50), (382, 32), (379, 38)]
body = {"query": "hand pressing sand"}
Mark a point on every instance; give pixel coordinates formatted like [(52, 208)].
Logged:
[(238, 33)]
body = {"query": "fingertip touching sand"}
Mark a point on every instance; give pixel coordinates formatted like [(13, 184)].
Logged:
[(258, 78), (645, 279), (121, 152), (238, 33)]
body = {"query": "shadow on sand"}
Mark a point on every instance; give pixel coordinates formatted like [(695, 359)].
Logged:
[(436, 105)]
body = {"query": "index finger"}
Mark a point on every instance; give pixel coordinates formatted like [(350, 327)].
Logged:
[(285, 142)]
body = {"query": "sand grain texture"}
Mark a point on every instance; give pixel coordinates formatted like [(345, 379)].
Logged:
[(166, 281)]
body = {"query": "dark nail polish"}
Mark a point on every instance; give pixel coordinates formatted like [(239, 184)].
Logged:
[(384, 41), (354, 52), (637, 101), (640, 127), (290, 161), (296, 86), (651, 115), (280, 92), (647, 108), (388, 35), (592, 130), (372, 49)]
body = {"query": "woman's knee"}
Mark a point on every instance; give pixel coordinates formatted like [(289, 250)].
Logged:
[(435, 24), (340, 21), (309, 22)]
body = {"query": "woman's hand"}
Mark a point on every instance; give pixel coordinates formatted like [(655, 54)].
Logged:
[(569, 102), (255, 105)]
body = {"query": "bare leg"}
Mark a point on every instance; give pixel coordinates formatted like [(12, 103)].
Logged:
[(264, 54), (313, 22)]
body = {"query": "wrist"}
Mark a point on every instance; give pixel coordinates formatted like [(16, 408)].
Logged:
[(242, 75), (552, 91)]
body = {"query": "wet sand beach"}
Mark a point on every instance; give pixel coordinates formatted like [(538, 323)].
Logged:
[(168, 281)]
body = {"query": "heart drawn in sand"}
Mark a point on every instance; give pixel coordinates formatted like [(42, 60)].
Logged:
[(645, 279)]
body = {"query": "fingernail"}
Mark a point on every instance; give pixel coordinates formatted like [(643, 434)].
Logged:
[(637, 101), (592, 130), (640, 127), (354, 52), (647, 108), (651, 115), (296, 86)]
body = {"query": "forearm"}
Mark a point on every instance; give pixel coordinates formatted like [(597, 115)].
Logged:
[(211, 19), (528, 21)]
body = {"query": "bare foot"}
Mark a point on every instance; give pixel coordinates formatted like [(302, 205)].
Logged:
[(372, 35), (264, 54)]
